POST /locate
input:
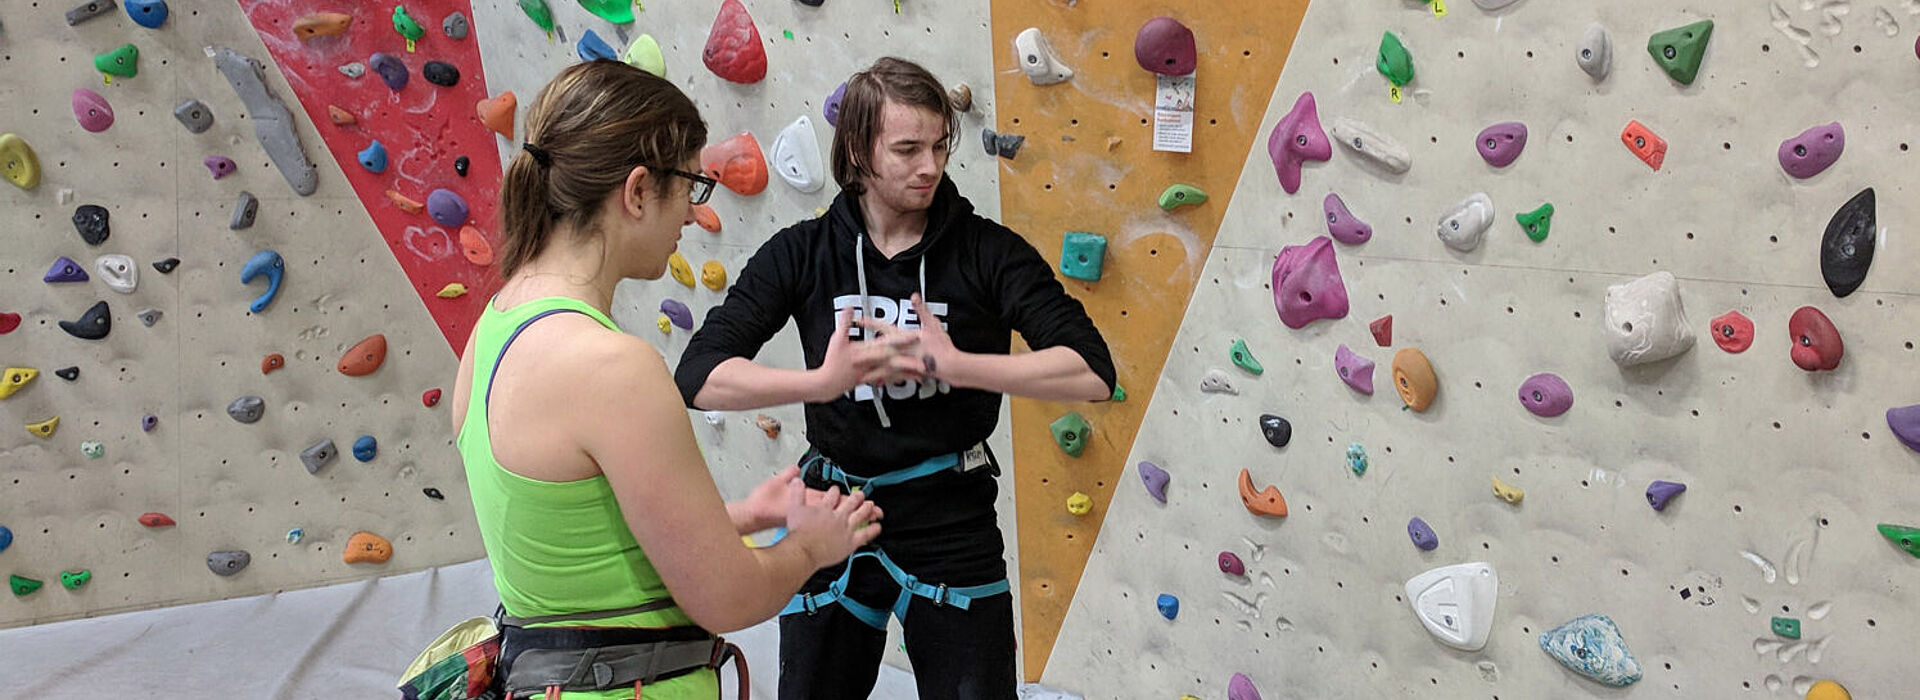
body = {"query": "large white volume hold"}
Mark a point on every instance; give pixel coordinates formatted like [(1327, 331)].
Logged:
[(1371, 145), (1455, 603), (1465, 225), (1038, 60), (1645, 321), (796, 156)]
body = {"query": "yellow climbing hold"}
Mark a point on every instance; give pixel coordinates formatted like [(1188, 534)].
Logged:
[(1828, 690), (644, 54), (18, 163), (1507, 493), (453, 290), (713, 275), (44, 428), (665, 324), (15, 378), (678, 267), (1079, 503)]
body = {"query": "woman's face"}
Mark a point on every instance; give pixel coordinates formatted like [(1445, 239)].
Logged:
[(654, 220)]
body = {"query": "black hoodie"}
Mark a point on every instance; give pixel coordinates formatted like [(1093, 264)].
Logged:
[(984, 280)]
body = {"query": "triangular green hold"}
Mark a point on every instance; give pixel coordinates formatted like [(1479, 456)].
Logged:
[(1119, 392), (123, 62), (1679, 50), (1243, 358), (538, 11), (1071, 432), (1394, 61), (1907, 537), (22, 585), (615, 11), (1537, 223), (1179, 195), (644, 54), (405, 25)]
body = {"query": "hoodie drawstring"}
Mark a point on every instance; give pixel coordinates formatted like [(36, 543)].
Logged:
[(866, 311)]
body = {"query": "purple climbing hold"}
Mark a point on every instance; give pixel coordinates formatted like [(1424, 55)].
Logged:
[(677, 313), (1905, 424), (65, 270), (149, 422), (1501, 143), (1815, 149), (1345, 227), (1165, 46), (1231, 565), (1297, 138), (447, 208), (1422, 535), (1660, 492), (1240, 687), (220, 166), (391, 70), (1546, 395), (1355, 370), (831, 110), (1155, 479), (1307, 285)]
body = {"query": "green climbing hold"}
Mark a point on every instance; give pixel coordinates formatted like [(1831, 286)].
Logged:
[(93, 449), (1786, 627), (73, 580), (538, 11), (1679, 50), (1081, 255), (615, 11), (403, 23), (1243, 358), (1394, 61), (1178, 195), (1119, 392), (788, 33), (123, 62), (644, 54), (1537, 222), (1907, 537), (1071, 433), (23, 585)]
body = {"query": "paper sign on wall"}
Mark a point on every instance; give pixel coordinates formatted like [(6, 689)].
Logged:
[(1173, 113)]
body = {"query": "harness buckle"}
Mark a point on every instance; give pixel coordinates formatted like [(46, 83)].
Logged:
[(811, 605), (940, 596)]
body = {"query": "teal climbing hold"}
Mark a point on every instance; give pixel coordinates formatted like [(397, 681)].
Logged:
[(1081, 255), (1181, 195), (1394, 60), (1537, 223), (1357, 459), (1679, 50), (1071, 433), (1243, 358), (1787, 627)]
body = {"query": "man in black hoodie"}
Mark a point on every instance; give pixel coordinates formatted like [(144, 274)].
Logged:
[(905, 301)]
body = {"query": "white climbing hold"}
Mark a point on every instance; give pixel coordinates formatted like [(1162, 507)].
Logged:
[(1455, 603), (1038, 60), (796, 156), (1595, 54), (118, 271), (1217, 382), (715, 419), (1591, 645), (1465, 225), (1645, 321), (1371, 145)]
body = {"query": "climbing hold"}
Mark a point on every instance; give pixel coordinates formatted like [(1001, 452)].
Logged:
[(1537, 223), (365, 448), (433, 493), (1306, 284), (1816, 342), (1846, 249), (407, 27), (1546, 395), (1372, 146), (1422, 535), (321, 24), (1005, 145), (1645, 145), (364, 357), (405, 203), (366, 548), (89, 10), (1241, 688), (166, 265), (441, 73), (8, 322), (1079, 503), (1082, 255), (295, 535), (1645, 321), (447, 208), (18, 163), (45, 428), (64, 269), (1168, 605), (1165, 46), (644, 54), (92, 449), (149, 422), (678, 313), (1037, 59), (591, 47), (93, 223), (73, 580), (1216, 382), (1155, 479), (265, 263), (1355, 370), (679, 269), (1342, 224), (1266, 502), (156, 520), (1811, 152), (391, 70), (461, 165), (1357, 458), (733, 49), (1455, 603), (219, 166), (273, 124), (1908, 538), (1787, 627), (1591, 646), (123, 62), (430, 398), (1413, 378), (228, 562), (1660, 492), (736, 162), (831, 110), (706, 218), (713, 275), (6, 538), (1465, 225), (1231, 565), (1295, 139), (1179, 195), (244, 210), (1243, 358), (1732, 331), (1594, 53), (92, 110), (1828, 690), (541, 15), (22, 585), (1382, 329), (1501, 143), (1394, 61), (1905, 423), (475, 247), (1276, 430), (453, 290), (716, 419), (247, 409), (1679, 50), (456, 26), (796, 156), (354, 70), (193, 115), (1119, 393), (767, 424), (664, 324), (1504, 492), (95, 324), (318, 455), (148, 317), (16, 378), (1071, 432)]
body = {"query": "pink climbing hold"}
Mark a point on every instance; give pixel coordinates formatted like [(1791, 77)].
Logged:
[(1296, 139), (1165, 46), (1813, 151), (1307, 285), (220, 166), (733, 47), (1501, 143), (92, 110), (1240, 687), (1355, 370), (1344, 226), (1231, 565)]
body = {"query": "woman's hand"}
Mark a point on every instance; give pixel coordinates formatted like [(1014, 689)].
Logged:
[(766, 507), (828, 525)]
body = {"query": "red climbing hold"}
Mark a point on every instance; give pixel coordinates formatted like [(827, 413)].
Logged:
[(8, 322), (1733, 332), (1382, 330), (1816, 342), (733, 46), (1165, 46), (156, 520), (736, 163), (431, 398), (1646, 146), (496, 113), (364, 357), (272, 362)]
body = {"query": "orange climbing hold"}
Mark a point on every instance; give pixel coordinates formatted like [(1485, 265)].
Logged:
[(406, 204), (1646, 146), (475, 246), (341, 117), (706, 218), (156, 520), (321, 24), (272, 362), (367, 548), (1413, 377), (496, 113), (1266, 502), (364, 357), (736, 163)]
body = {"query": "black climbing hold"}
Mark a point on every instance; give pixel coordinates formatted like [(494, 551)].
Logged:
[(93, 325), (1009, 144), (91, 220), (812, 3), (434, 493), (244, 211), (1276, 429), (461, 164), (166, 265), (68, 373), (1846, 251), (441, 73)]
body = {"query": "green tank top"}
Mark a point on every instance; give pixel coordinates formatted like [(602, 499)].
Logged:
[(558, 547)]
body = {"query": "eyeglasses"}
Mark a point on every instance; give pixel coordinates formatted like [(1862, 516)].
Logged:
[(702, 185)]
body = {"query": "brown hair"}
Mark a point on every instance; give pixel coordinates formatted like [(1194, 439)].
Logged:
[(592, 125), (895, 79)]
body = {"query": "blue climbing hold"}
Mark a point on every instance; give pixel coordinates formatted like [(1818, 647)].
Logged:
[(1357, 459), (1169, 606), (1591, 646), (593, 48), (269, 264), (364, 448), (374, 158), (6, 538), (1422, 535), (148, 13), (65, 270)]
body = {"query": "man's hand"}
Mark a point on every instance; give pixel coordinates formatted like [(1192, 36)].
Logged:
[(890, 355), (936, 348)]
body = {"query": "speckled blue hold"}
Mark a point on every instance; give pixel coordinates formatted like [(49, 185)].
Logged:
[(1591, 646), (1357, 459), (365, 448), (1169, 606)]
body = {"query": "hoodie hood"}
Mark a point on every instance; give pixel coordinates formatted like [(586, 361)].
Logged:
[(846, 219)]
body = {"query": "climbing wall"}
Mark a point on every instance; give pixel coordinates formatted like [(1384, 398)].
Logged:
[(144, 426), (1787, 471)]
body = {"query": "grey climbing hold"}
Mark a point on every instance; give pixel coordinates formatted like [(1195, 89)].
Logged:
[(1422, 535), (247, 409), (390, 69), (273, 123), (353, 70), (456, 26), (365, 448), (1155, 479), (1168, 605), (1009, 144), (243, 212), (194, 115), (148, 317), (991, 140), (68, 373), (1594, 53), (93, 223), (433, 493), (64, 269), (440, 73), (1465, 225), (228, 562), (166, 265), (92, 325), (1276, 430), (90, 9), (317, 455), (1660, 492), (1217, 382), (1591, 646)]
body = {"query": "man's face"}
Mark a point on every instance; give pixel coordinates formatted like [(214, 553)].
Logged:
[(909, 155)]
